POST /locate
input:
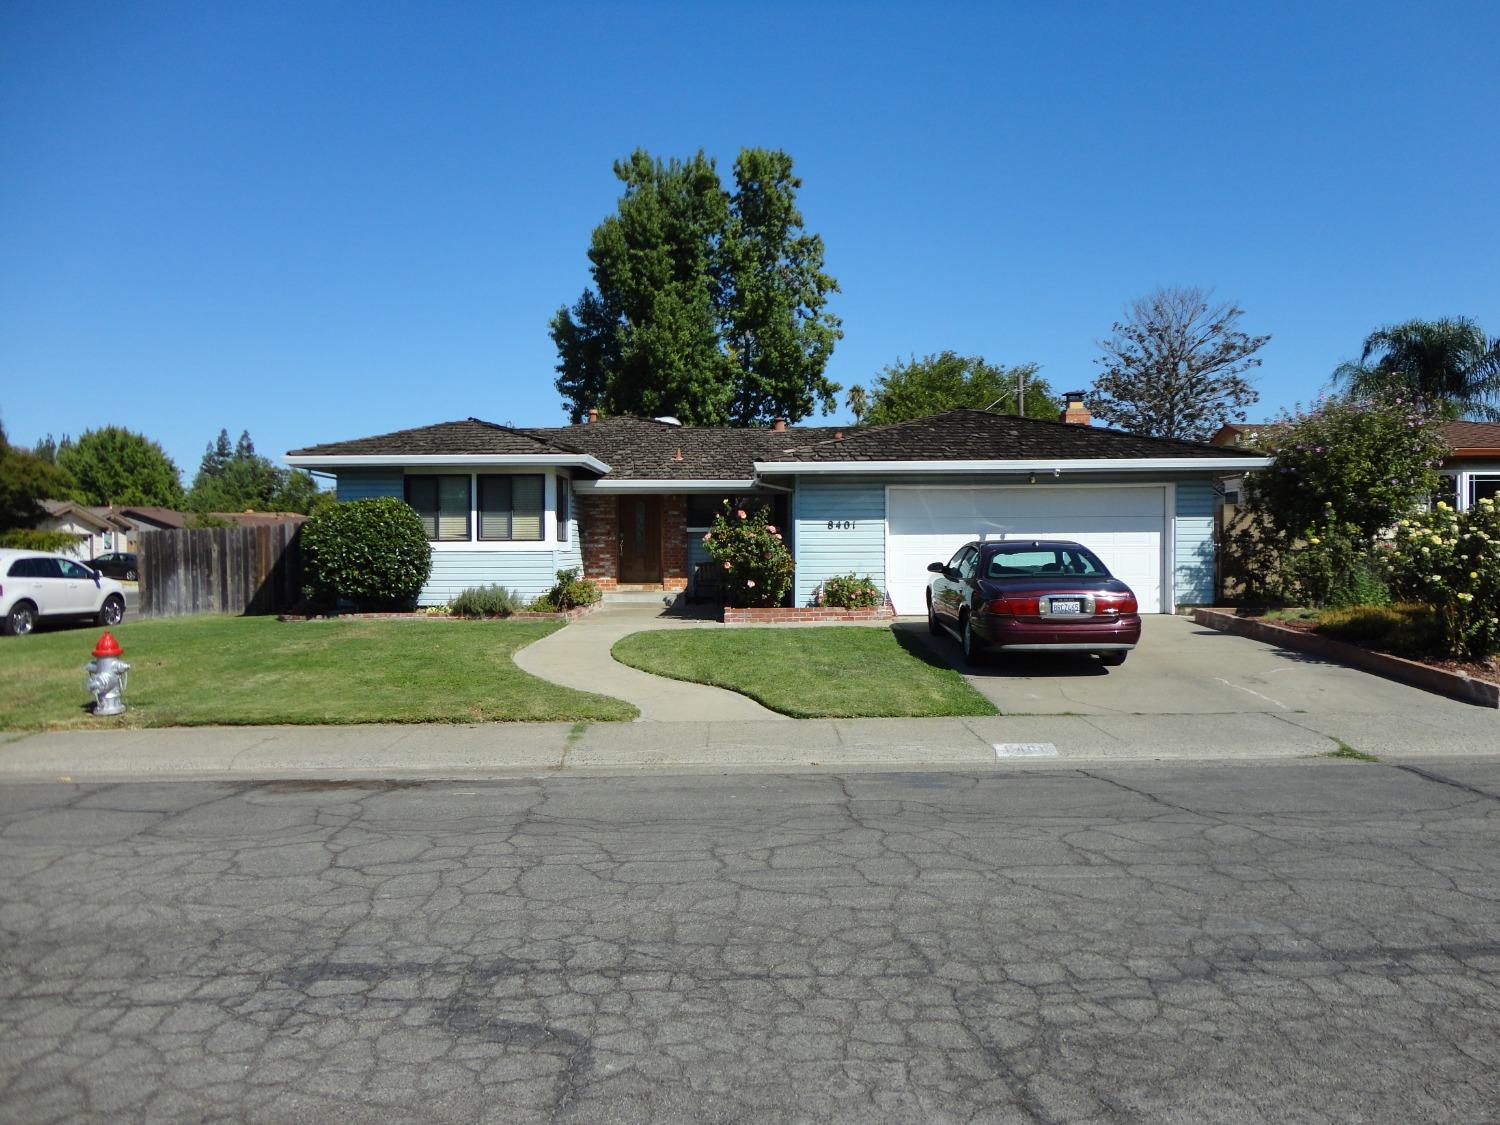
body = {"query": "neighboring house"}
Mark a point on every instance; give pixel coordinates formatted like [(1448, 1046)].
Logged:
[(98, 529), (629, 499), (170, 519), (1471, 471)]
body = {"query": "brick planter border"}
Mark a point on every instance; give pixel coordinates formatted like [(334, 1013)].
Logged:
[(807, 615), (1455, 685)]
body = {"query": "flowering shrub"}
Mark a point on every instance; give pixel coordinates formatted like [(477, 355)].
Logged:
[(1451, 561), (1357, 465), (757, 566), (570, 592), (848, 591)]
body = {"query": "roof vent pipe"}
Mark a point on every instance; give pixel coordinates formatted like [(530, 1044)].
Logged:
[(593, 415)]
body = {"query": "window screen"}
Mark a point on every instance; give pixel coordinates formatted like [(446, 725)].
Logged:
[(443, 504), (511, 507)]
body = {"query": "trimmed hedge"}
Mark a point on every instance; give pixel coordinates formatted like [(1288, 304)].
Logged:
[(373, 553)]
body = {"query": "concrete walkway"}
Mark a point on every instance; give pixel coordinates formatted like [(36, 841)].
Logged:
[(578, 657)]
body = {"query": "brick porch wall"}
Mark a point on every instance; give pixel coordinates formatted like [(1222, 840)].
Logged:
[(599, 536), (674, 548)]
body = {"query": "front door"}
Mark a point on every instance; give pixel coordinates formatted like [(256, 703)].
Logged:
[(640, 539)]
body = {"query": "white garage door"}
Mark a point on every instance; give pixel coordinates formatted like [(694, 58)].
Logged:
[(1126, 527)]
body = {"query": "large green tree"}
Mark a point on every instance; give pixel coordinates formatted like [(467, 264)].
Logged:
[(26, 479), (915, 388), (1175, 366), (706, 305), (113, 465), (1449, 364), (237, 479)]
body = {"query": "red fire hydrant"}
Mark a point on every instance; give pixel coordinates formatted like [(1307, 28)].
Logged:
[(108, 676)]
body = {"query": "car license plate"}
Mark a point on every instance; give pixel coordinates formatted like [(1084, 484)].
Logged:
[(1067, 605)]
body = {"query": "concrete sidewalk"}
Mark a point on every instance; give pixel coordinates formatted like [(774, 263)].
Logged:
[(512, 749), (578, 657)]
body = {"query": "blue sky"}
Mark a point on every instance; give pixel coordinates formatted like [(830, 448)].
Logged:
[(317, 221)]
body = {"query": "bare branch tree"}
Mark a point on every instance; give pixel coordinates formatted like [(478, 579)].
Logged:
[(1174, 367)]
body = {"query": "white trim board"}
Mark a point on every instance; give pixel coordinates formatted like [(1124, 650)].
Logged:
[(457, 460), (1082, 465)]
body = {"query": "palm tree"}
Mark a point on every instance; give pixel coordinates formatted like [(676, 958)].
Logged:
[(857, 402), (1449, 363)]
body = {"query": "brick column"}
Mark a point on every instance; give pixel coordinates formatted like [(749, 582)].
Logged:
[(674, 549), (599, 537)]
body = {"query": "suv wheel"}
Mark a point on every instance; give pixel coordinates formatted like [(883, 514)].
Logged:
[(112, 612), (130, 574), (20, 620)]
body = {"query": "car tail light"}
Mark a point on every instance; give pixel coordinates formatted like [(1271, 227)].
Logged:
[(1014, 607), (1116, 603)]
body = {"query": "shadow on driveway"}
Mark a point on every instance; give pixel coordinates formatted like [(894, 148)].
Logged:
[(944, 652)]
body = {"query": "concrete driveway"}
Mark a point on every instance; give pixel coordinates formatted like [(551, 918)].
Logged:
[(1181, 668)]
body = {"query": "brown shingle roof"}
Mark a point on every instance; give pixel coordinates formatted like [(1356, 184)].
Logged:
[(644, 449), (977, 435), (469, 435), (1473, 439)]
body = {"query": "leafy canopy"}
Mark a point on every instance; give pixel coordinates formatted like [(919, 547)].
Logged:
[(1175, 367), (237, 479), (707, 305), (114, 465), (1448, 363), (915, 388), (26, 479)]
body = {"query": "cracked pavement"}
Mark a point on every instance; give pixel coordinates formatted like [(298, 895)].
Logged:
[(1292, 941)]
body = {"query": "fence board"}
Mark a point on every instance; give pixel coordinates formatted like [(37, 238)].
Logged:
[(234, 570)]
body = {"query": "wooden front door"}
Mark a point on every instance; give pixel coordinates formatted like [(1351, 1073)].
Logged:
[(640, 539)]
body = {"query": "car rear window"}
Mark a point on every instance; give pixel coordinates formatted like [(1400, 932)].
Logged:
[(1038, 562)]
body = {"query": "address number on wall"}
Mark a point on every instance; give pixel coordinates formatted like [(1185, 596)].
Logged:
[(840, 525)]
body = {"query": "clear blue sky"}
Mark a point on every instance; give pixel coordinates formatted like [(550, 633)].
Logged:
[(321, 220)]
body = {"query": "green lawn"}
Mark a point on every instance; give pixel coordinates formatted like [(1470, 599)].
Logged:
[(814, 673), (234, 670)]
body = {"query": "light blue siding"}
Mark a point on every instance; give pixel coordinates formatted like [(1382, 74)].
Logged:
[(570, 553), (823, 551), (1194, 541), (528, 573), (362, 484), (697, 553)]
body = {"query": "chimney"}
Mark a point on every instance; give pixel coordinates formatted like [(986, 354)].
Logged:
[(1074, 412), (779, 425), (838, 435), (593, 415)]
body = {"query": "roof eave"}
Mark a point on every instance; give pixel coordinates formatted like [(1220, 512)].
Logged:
[(644, 484), (1078, 465), (439, 460)]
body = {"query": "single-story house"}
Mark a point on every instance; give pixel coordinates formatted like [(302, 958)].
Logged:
[(1471, 472), (628, 500), (98, 529)]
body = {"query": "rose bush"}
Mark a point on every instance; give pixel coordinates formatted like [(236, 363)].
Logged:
[(1451, 561), (756, 563), (849, 591)]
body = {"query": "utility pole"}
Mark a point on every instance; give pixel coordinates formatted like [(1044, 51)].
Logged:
[(1021, 396)]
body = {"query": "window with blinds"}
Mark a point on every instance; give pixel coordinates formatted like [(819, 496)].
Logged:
[(442, 502), (564, 507), (510, 507)]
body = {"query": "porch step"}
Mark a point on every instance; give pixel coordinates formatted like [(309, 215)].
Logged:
[(642, 597)]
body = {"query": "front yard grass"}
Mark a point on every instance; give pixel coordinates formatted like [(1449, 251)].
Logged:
[(248, 670), (816, 673)]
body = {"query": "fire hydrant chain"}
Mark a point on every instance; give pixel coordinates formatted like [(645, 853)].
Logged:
[(108, 676)]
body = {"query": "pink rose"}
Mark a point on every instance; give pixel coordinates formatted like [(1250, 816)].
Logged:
[(771, 527), (726, 566), (750, 582), (707, 537), (740, 512)]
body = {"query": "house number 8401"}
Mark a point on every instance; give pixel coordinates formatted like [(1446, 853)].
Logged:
[(840, 525)]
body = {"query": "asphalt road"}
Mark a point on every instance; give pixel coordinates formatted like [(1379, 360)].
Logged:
[(1300, 941)]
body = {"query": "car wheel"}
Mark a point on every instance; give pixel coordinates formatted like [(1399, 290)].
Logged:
[(130, 574), (934, 626), (20, 620), (112, 612), (973, 654), (1112, 659)]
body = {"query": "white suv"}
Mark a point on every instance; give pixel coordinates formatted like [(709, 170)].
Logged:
[(34, 585)]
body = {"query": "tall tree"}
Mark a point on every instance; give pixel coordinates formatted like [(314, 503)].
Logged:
[(774, 294), (915, 388), (114, 465), (858, 401), (237, 479), (1175, 366), (1449, 364), (705, 305), (216, 457), (26, 479)]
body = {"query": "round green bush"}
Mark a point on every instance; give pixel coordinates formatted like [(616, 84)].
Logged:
[(373, 553)]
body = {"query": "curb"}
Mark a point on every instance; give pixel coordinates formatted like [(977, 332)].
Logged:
[(1440, 681)]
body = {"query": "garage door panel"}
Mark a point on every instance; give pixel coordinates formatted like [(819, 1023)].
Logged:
[(1126, 527)]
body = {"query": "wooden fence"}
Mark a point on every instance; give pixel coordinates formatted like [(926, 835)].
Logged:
[(249, 570)]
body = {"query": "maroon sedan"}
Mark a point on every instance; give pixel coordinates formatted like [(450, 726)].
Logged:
[(1034, 595)]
